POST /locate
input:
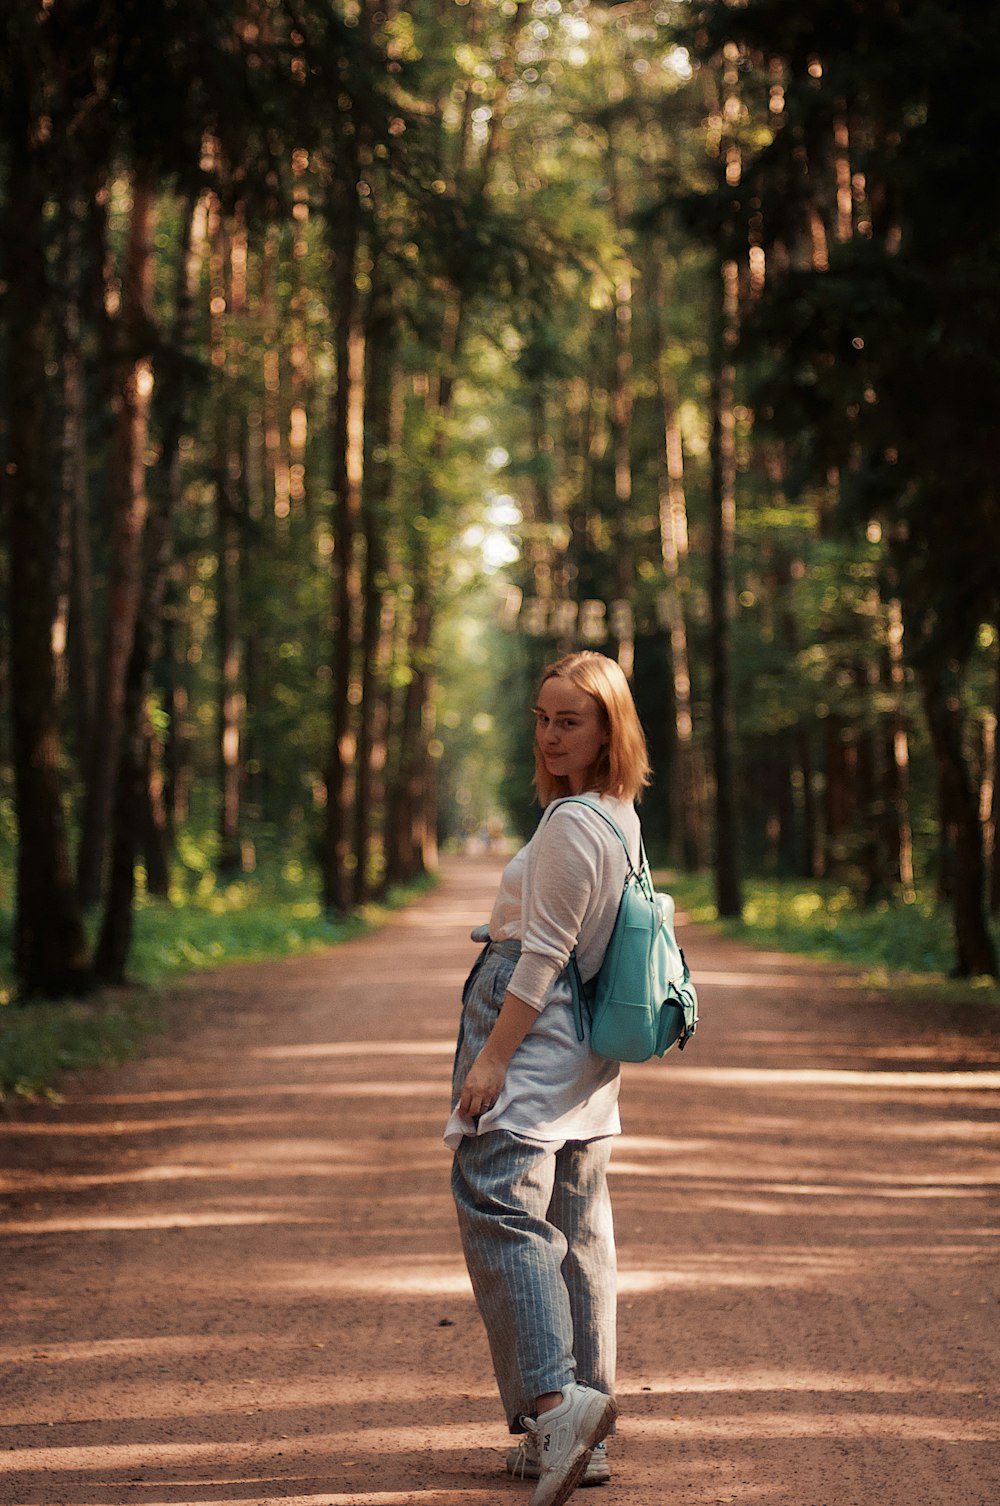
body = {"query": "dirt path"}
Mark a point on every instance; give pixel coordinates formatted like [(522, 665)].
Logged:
[(231, 1274)]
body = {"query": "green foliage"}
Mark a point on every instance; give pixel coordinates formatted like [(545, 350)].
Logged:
[(39, 1043), (888, 942), (254, 919), (527, 182), (874, 355)]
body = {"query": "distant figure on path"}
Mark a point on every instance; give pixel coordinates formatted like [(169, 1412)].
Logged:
[(534, 1109)]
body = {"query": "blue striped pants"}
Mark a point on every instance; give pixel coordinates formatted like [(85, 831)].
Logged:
[(538, 1237)]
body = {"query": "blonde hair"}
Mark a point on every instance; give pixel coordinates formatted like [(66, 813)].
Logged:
[(622, 766)]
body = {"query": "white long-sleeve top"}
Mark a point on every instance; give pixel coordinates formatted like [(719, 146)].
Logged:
[(562, 891), (559, 891)]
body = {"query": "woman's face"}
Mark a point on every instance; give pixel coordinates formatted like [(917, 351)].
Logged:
[(569, 731)]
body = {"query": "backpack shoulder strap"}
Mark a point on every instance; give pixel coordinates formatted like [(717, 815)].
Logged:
[(582, 800), (578, 988)]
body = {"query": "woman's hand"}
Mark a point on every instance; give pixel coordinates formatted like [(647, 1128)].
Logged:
[(486, 1076), (483, 1083)]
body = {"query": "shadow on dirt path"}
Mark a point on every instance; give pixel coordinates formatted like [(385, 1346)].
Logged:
[(231, 1272)]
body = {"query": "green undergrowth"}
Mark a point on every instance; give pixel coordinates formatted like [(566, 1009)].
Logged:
[(39, 1042), (905, 945), (256, 918)]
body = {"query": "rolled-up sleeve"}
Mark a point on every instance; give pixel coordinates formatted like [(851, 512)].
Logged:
[(564, 874)]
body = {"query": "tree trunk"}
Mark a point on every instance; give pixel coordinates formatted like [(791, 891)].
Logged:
[(277, 463), (621, 408), (227, 298), (899, 760), (685, 808), (128, 508), (229, 710), (115, 939), (995, 797), (839, 795), (724, 110), (82, 647), (156, 846), (73, 635), (812, 855), (728, 888), (364, 877), (177, 774), (780, 828), (82, 221), (539, 545), (960, 826), (380, 446), (415, 778), (50, 947), (406, 824), (872, 849), (135, 826), (347, 439)]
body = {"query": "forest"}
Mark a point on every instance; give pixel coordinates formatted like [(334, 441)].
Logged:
[(359, 358)]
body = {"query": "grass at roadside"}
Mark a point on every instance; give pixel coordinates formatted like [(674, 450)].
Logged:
[(907, 945), (258, 918)]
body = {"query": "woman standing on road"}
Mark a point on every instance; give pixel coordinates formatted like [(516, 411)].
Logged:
[(535, 1109)]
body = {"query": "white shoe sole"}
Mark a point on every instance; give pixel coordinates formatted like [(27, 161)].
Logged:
[(552, 1491), (598, 1471)]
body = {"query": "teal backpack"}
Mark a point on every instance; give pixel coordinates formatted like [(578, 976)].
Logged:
[(642, 1000)]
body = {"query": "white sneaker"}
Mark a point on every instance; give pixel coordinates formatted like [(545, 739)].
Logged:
[(523, 1462), (566, 1437)]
